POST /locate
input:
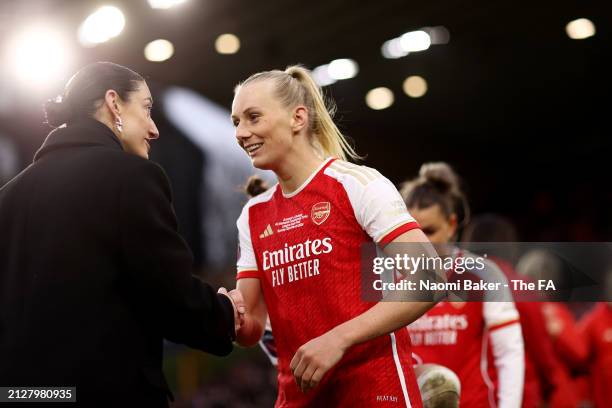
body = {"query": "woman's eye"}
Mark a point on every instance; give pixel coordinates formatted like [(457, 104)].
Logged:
[(235, 122), (254, 117)]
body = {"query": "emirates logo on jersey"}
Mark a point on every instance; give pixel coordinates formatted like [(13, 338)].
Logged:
[(320, 212), (440, 322)]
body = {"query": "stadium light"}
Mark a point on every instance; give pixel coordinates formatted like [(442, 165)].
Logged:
[(38, 55), (159, 50), (438, 35), (227, 44), (415, 41), (392, 49), (321, 75), (415, 86), (580, 29), (164, 4), (102, 25), (336, 70), (379, 98), (343, 68)]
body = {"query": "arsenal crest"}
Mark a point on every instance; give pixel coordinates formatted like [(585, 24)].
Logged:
[(320, 212)]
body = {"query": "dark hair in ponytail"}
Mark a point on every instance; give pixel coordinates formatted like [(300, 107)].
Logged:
[(86, 89), (437, 184), (255, 186)]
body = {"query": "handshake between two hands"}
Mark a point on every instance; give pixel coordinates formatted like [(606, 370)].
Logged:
[(239, 307), (312, 360)]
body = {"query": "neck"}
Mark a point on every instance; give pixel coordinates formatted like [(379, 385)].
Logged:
[(106, 119), (296, 169)]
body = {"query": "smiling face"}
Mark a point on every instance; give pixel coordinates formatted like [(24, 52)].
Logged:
[(138, 127), (263, 126)]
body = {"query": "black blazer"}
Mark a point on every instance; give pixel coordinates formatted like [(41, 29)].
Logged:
[(93, 274)]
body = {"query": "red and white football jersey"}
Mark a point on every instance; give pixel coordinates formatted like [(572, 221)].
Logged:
[(596, 329), (305, 249), (456, 335)]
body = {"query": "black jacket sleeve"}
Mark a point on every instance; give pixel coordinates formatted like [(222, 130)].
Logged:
[(159, 265)]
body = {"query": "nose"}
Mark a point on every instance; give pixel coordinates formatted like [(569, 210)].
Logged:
[(153, 132), (242, 133)]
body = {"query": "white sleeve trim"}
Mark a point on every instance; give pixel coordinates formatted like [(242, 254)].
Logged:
[(377, 205), (509, 359), (246, 255)]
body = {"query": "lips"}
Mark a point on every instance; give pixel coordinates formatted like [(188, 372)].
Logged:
[(252, 148)]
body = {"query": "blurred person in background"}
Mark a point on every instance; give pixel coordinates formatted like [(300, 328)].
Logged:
[(560, 323), (333, 348), (596, 330), (546, 378), (93, 273), (465, 336)]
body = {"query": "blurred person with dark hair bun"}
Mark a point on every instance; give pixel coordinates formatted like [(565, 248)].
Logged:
[(93, 273), (465, 336)]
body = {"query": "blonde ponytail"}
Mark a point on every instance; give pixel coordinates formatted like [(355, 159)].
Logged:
[(295, 86)]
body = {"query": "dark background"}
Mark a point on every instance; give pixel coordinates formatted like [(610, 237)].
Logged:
[(518, 108)]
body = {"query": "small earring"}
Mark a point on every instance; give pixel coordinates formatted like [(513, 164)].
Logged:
[(119, 124)]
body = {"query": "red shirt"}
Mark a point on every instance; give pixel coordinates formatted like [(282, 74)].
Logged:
[(456, 335), (543, 370), (305, 249), (568, 343), (596, 328)]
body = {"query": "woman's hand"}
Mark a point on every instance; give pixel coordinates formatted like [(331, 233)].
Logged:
[(235, 296), (254, 320), (315, 358)]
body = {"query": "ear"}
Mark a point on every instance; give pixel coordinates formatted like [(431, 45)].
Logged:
[(452, 225), (113, 102), (299, 120)]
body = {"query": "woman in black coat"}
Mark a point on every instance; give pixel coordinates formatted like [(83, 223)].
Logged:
[(93, 274)]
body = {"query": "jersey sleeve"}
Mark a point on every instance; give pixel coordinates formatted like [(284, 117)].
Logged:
[(378, 206), (247, 264), (499, 314), (502, 321), (499, 309), (509, 359)]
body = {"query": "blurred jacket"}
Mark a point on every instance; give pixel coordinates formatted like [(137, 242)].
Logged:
[(94, 275)]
